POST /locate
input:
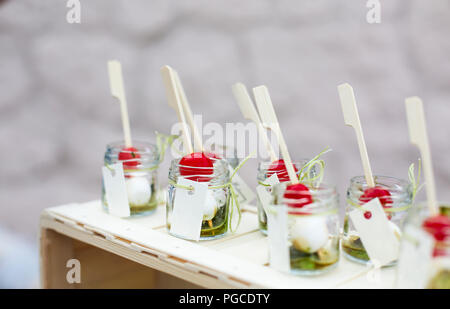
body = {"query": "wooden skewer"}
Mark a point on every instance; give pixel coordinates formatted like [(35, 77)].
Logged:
[(198, 144), (419, 137), (118, 92), (249, 112), (178, 100), (169, 79), (269, 118), (351, 118)]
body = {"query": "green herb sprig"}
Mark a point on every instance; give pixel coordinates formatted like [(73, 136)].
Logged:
[(305, 172)]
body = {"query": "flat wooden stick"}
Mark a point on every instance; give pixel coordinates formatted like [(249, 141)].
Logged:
[(249, 112), (174, 101), (118, 92), (419, 137), (269, 118), (198, 144), (351, 118)]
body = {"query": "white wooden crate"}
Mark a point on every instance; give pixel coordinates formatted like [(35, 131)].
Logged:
[(138, 252)]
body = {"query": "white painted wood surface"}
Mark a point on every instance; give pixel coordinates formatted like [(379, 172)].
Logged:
[(237, 260)]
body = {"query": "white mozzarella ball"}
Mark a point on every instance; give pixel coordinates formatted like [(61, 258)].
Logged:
[(139, 191), (309, 233), (396, 230), (210, 206), (220, 197)]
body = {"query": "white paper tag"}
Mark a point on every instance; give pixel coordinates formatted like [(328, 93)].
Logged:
[(115, 190), (376, 234), (277, 231), (245, 195), (187, 214), (415, 258), (264, 196)]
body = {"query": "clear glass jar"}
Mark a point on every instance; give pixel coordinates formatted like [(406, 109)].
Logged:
[(313, 229), (217, 206), (438, 276), (141, 174), (396, 206), (263, 174)]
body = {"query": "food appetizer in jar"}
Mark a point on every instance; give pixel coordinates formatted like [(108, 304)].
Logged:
[(140, 167), (425, 250), (200, 168), (394, 197), (197, 165), (139, 160), (313, 226), (311, 245)]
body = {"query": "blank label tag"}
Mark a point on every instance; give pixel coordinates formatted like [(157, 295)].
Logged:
[(245, 194), (277, 231), (115, 190), (187, 214), (415, 258), (264, 196), (376, 234)]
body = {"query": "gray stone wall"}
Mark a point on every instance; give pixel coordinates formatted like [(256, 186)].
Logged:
[(56, 114)]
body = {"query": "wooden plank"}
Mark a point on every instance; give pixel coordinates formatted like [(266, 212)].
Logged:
[(199, 279)]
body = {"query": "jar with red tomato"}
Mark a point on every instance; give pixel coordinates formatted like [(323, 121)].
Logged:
[(313, 226), (203, 167), (395, 196), (437, 269), (265, 170), (140, 167)]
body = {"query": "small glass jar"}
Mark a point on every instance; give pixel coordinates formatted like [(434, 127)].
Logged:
[(438, 273), (141, 174), (217, 205), (396, 206), (263, 174), (313, 229)]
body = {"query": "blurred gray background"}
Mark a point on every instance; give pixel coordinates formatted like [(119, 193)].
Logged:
[(56, 113)]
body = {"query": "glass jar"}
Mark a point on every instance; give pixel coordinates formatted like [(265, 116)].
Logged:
[(217, 204), (140, 167), (263, 174), (313, 229), (396, 203), (438, 270)]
